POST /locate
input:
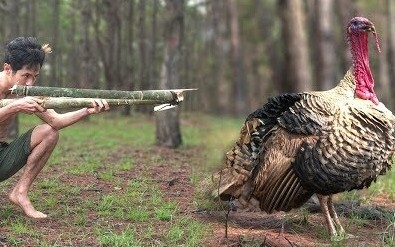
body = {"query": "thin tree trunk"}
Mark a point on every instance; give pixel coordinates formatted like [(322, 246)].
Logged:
[(298, 74), (391, 41), (85, 80), (153, 78), (30, 18), (168, 132), (223, 102), (53, 59), (383, 78), (237, 59), (144, 80), (325, 53), (266, 17), (130, 75), (345, 10), (13, 21), (72, 66), (142, 46)]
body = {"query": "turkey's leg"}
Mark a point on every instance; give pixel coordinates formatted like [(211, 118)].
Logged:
[(334, 216), (329, 222)]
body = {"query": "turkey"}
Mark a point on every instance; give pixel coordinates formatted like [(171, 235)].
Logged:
[(321, 142)]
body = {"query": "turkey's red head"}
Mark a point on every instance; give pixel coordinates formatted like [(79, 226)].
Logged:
[(357, 31), (361, 25)]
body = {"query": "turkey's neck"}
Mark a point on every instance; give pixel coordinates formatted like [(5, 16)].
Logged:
[(362, 73)]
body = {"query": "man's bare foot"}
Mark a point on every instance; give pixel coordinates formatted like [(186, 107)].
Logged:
[(24, 203)]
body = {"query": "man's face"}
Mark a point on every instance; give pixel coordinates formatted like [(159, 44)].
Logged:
[(25, 76)]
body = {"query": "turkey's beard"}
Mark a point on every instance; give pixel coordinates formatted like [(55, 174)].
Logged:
[(362, 73)]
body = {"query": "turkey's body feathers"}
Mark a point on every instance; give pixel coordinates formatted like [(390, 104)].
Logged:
[(300, 144)]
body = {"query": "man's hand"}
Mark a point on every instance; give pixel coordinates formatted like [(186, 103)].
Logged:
[(98, 105), (28, 105)]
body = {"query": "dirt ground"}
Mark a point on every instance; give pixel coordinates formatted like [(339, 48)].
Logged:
[(368, 224), (303, 227)]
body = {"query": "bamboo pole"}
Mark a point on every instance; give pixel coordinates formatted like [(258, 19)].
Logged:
[(60, 98), (167, 96), (63, 102)]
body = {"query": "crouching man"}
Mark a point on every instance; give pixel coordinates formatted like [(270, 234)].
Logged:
[(24, 58)]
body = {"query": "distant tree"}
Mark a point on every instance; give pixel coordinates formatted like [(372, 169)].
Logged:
[(142, 36), (236, 59), (344, 11), (128, 75), (53, 59), (12, 20), (144, 65), (271, 60), (324, 38), (86, 75), (108, 26), (391, 40), (153, 71), (382, 79), (220, 43), (30, 18), (297, 71), (168, 131)]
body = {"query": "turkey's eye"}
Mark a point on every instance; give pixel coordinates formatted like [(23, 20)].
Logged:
[(354, 23)]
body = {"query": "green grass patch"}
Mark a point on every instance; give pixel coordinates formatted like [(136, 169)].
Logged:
[(115, 200), (186, 232), (113, 239), (127, 212)]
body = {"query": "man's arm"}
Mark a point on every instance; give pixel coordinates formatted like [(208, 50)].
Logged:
[(27, 105), (60, 121)]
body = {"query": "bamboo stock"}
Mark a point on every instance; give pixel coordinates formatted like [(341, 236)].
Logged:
[(64, 103), (61, 98), (171, 96)]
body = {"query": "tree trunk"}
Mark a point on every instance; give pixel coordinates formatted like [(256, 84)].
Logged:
[(85, 79), (237, 59), (53, 59), (383, 79), (345, 10), (30, 18), (325, 69), (129, 74), (72, 66), (143, 81), (267, 19), (168, 132), (297, 71), (13, 21), (223, 89), (153, 74), (391, 41), (144, 63)]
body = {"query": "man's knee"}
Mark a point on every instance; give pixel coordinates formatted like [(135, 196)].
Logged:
[(45, 132)]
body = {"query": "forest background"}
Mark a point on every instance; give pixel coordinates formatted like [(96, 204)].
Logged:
[(237, 52)]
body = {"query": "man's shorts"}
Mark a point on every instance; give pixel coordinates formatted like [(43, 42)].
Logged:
[(13, 156)]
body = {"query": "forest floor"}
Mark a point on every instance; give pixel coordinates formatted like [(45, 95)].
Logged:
[(101, 192)]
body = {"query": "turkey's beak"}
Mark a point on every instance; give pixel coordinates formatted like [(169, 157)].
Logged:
[(369, 28)]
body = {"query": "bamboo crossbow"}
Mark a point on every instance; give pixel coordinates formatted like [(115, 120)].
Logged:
[(61, 98)]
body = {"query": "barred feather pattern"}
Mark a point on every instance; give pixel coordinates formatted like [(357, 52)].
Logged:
[(300, 144), (354, 148)]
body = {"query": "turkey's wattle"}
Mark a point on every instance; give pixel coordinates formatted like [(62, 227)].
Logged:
[(358, 31)]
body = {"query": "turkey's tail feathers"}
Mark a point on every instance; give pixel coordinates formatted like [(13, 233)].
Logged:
[(230, 181), (262, 174), (234, 181)]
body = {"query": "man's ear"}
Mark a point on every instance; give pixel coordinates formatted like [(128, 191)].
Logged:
[(7, 69)]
